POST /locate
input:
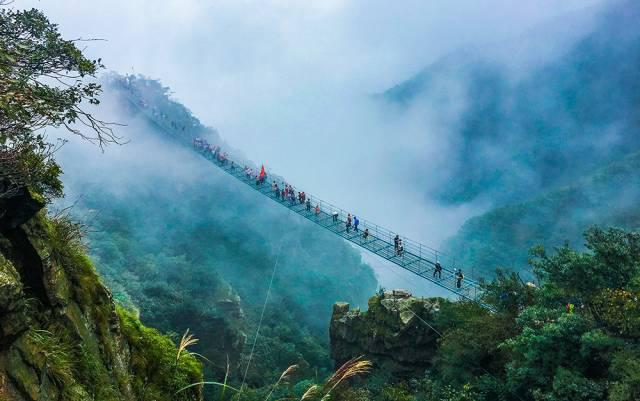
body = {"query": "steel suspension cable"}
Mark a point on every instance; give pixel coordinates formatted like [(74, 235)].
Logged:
[(264, 307)]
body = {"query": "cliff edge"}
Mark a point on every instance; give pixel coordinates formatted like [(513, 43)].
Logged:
[(394, 332), (61, 335)]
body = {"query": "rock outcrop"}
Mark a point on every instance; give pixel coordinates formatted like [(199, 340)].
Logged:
[(394, 333), (61, 335)]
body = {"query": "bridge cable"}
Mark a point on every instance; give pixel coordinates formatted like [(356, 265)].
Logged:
[(442, 336), (264, 307)]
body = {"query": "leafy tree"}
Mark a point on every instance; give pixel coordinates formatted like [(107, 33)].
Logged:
[(620, 311), (42, 84), (470, 349), (625, 370), (509, 293), (547, 342), (613, 260)]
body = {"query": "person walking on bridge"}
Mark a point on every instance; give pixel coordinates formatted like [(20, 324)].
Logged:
[(396, 243), (365, 236), (308, 205), (437, 270), (356, 222), (262, 176), (459, 278), (349, 219), (317, 210)]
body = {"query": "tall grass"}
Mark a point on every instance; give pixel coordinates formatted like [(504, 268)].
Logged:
[(317, 392), (186, 341), (352, 368), (54, 356), (283, 377)]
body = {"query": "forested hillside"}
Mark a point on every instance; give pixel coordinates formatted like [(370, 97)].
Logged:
[(191, 248), (502, 237), (62, 337), (518, 136), (551, 150), (574, 337)]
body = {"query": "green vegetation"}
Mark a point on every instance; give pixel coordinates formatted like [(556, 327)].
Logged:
[(159, 369), (515, 139), (573, 338), (41, 86), (60, 333), (76, 351), (502, 236), (191, 250)]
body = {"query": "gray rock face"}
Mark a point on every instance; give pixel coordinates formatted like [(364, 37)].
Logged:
[(60, 335), (19, 207), (392, 333)]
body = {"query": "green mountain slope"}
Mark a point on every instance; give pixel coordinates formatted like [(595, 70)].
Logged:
[(192, 248), (502, 237), (553, 125)]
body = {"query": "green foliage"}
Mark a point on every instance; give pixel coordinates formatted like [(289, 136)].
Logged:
[(534, 348), (586, 274), (52, 354), (625, 371), (41, 85), (472, 346), (501, 237), (620, 310), (509, 293), (158, 373), (396, 393), (32, 52), (65, 238), (569, 385)]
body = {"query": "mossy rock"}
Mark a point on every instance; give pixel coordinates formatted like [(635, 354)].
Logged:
[(22, 207), (158, 373), (24, 375), (10, 284)]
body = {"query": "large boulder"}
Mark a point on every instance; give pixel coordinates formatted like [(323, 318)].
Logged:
[(394, 332), (19, 206)]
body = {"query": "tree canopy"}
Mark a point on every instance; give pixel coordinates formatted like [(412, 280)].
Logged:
[(44, 82)]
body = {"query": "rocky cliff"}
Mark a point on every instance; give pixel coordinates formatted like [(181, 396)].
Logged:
[(61, 335), (394, 332)]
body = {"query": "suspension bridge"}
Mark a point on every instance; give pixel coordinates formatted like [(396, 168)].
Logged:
[(417, 258)]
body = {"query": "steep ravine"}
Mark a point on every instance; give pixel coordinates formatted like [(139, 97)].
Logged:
[(61, 335)]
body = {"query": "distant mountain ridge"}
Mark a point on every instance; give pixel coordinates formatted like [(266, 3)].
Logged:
[(503, 236), (557, 124)]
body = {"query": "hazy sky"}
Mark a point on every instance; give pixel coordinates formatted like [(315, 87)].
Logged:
[(286, 81), (224, 57)]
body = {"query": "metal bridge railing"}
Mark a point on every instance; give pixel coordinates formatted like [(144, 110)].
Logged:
[(416, 257)]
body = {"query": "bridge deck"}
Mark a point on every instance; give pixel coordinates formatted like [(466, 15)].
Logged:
[(416, 258)]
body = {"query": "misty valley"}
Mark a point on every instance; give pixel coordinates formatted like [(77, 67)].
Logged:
[(198, 213)]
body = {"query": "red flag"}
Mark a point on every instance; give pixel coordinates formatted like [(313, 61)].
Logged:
[(262, 172)]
